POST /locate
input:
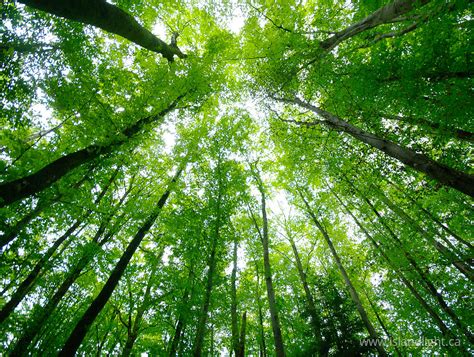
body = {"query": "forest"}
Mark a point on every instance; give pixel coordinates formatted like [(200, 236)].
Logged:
[(236, 178)]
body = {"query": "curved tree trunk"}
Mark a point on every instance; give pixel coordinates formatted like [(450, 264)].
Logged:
[(110, 18)]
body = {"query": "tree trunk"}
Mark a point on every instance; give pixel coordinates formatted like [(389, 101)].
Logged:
[(27, 284), (233, 303), (134, 330), (110, 18), (77, 335), (262, 344), (458, 180), (423, 277), (275, 319), (241, 347), (439, 322), (443, 250), (201, 327), (383, 15), (309, 296), (36, 182), (436, 127), (355, 296), (433, 218)]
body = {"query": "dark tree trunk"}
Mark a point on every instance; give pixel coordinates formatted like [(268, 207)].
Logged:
[(309, 296), (458, 180), (36, 182), (233, 303), (354, 295), (27, 284), (241, 347), (110, 18), (275, 319), (201, 328), (383, 15), (77, 335), (262, 344)]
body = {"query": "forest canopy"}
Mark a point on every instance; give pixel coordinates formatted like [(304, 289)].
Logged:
[(236, 178)]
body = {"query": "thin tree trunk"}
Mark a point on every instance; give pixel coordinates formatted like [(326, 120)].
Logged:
[(309, 296), (134, 330), (424, 278), (241, 347), (458, 180), (110, 18), (383, 15), (355, 296), (201, 328), (77, 335), (181, 319), (433, 218), (275, 319), (436, 127), (36, 182), (443, 250), (262, 344), (233, 303), (439, 322), (29, 282)]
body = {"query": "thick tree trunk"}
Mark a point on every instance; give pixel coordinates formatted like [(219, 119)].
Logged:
[(110, 18), (275, 319), (241, 347), (460, 181), (309, 296), (383, 15), (77, 335), (354, 295), (439, 322), (233, 303), (36, 182)]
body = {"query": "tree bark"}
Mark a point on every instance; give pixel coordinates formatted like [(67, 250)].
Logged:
[(109, 18), (77, 335), (354, 295), (275, 319), (36, 182), (383, 15), (262, 344), (458, 180)]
